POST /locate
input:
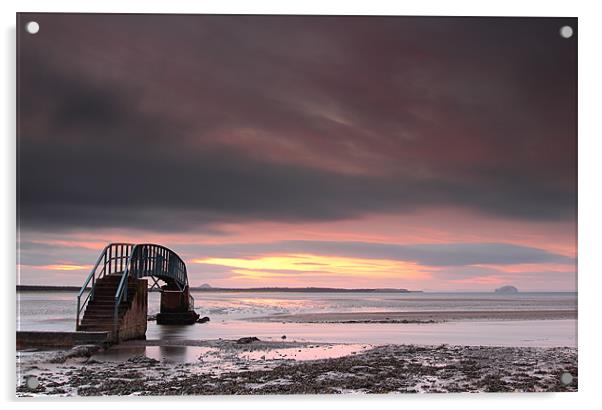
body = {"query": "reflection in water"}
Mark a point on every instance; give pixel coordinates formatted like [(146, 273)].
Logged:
[(203, 355), (170, 332), (120, 353), (168, 354), (178, 354)]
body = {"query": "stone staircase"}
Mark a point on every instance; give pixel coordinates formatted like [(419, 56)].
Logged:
[(98, 315)]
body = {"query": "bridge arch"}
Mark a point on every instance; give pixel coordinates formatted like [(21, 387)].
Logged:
[(114, 296)]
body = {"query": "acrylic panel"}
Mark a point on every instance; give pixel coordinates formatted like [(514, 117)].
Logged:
[(280, 204)]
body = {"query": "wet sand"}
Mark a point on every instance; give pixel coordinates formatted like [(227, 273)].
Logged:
[(419, 317), (227, 367)]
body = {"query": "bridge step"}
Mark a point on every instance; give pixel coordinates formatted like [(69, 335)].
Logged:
[(96, 328), (110, 301), (100, 311), (110, 295), (101, 315)]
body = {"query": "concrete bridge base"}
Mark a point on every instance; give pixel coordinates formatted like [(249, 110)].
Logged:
[(55, 340), (132, 324), (177, 307)]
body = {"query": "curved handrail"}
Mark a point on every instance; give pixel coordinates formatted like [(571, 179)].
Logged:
[(119, 248), (148, 260), (181, 279), (137, 260), (91, 275)]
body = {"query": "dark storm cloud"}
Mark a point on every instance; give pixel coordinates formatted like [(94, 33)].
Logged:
[(174, 122), (446, 254)]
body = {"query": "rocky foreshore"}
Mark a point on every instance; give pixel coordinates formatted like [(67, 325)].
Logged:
[(227, 367)]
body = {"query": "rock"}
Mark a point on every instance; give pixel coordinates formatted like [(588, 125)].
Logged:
[(84, 350), (247, 340), (203, 319), (76, 351), (506, 289)]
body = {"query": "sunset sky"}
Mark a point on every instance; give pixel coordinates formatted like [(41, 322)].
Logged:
[(434, 154)]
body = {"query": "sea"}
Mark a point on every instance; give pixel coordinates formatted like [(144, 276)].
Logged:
[(229, 314)]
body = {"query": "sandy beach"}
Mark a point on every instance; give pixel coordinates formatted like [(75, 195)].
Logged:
[(418, 317), (318, 344), (228, 367)]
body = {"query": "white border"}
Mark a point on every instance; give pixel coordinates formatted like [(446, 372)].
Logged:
[(590, 202)]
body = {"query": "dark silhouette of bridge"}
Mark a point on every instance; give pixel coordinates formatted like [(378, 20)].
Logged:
[(114, 296)]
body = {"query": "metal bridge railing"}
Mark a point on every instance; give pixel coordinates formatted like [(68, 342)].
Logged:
[(150, 260), (136, 261), (112, 259)]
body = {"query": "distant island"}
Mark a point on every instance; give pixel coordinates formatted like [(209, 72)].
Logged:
[(506, 289), (207, 288)]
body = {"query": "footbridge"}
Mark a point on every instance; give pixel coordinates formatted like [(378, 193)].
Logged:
[(114, 296)]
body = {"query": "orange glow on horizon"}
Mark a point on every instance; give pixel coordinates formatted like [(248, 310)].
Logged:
[(65, 267), (316, 265), (291, 267)]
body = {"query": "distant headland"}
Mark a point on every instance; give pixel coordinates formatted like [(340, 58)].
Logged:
[(208, 288), (47, 288), (205, 288)]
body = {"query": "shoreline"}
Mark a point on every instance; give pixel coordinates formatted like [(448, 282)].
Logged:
[(417, 316), (260, 367), (53, 288)]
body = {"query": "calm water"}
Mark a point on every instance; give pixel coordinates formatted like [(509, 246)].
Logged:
[(56, 311)]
